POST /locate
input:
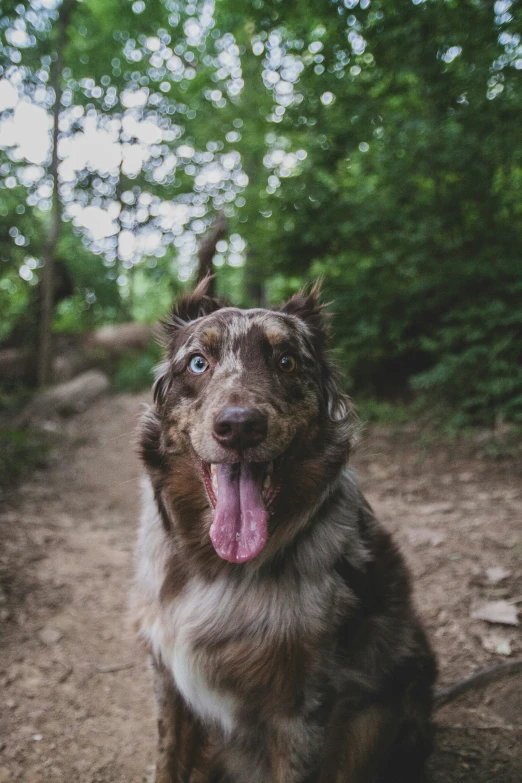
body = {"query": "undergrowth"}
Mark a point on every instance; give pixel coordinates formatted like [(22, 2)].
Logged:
[(134, 371), (21, 450)]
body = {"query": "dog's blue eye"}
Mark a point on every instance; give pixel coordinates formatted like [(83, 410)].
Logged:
[(198, 364)]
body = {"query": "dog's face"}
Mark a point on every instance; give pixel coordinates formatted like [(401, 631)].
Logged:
[(245, 396), (242, 383)]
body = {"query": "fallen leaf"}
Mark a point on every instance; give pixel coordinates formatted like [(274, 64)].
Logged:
[(377, 472), (497, 644), (497, 574), (504, 648), (50, 636), (422, 536), (500, 612)]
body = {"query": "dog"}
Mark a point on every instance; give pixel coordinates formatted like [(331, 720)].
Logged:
[(275, 608)]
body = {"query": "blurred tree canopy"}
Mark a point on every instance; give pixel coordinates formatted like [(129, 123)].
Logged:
[(375, 143)]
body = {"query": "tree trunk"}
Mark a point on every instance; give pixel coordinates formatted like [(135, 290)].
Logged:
[(49, 254), (254, 281), (207, 250)]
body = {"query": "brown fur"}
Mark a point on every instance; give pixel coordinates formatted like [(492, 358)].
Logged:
[(306, 664)]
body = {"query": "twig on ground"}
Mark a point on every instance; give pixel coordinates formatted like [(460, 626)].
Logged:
[(65, 674), (113, 667), (480, 727), (478, 680)]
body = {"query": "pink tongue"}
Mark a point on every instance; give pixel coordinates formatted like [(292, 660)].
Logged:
[(239, 530)]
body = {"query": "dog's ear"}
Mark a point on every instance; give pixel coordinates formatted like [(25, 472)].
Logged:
[(337, 402), (161, 382), (307, 306), (194, 305)]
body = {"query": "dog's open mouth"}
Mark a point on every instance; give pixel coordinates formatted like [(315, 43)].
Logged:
[(241, 494)]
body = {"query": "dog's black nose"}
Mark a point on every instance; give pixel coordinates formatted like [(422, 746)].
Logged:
[(240, 428)]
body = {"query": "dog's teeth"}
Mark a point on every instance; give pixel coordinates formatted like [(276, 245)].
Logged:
[(267, 482), (213, 473), (270, 468)]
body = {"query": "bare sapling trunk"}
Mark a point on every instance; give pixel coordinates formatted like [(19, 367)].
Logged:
[(207, 250), (53, 236), (254, 280)]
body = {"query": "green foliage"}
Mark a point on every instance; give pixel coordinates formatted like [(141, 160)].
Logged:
[(505, 445), (477, 367), (13, 301), (134, 371), (381, 142), (21, 450), (382, 412), (403, 204)]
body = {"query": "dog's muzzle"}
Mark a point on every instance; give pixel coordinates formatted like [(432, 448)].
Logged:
[(241, 494)]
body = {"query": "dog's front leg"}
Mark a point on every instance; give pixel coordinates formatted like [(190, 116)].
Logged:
[(294, 746), (184, 750), (358, 746), (280, 762)]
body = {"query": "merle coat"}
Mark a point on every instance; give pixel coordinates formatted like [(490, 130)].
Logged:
[(306, 663)]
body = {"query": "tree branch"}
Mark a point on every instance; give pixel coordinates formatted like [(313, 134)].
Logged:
[(207, 250)]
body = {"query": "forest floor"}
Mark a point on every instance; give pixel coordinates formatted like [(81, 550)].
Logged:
[(72, 712)]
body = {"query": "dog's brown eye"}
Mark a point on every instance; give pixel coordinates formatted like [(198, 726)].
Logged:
[(198, 364), (287, 363)]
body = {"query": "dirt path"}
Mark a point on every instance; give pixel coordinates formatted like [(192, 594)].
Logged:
[(65, 566)]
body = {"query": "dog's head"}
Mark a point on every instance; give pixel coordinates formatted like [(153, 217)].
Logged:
[(248, 403)]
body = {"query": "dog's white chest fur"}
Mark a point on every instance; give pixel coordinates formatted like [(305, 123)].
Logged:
[(197, 608), (171, 629)]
